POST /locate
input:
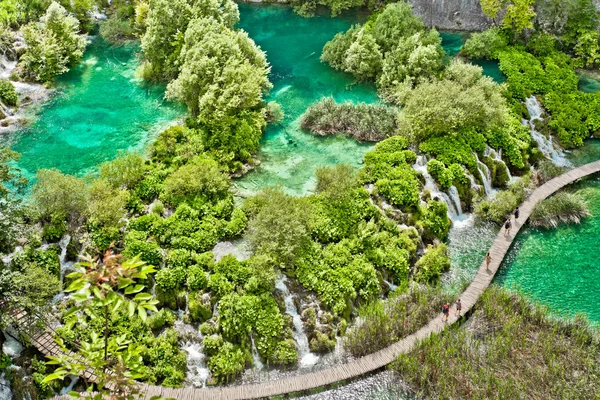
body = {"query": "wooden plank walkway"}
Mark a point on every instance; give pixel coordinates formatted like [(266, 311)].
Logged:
[(380, 359)]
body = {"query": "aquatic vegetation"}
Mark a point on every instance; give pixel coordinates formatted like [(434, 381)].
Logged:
[(510, 347), (563, 207), (367, 122)]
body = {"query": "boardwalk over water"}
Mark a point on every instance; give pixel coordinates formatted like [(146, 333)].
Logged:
[(379, 359)]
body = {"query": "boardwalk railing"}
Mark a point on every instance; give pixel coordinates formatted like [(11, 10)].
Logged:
[(381, 358)]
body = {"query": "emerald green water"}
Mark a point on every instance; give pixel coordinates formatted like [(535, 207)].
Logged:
[(100, 109), (560, 267), (588, 84), (293, 45)]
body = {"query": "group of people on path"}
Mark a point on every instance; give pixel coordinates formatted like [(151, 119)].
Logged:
[(446, 310), (488, 260), (508, 223)]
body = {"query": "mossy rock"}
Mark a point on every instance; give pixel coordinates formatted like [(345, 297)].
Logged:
[(500, 177), (285, 353), (321, 343), (182, 300), (166, 298), (200, 306)]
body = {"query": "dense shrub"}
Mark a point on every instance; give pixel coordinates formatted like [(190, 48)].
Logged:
[(8, 94), (368, 122), (432, 264), (485, 45)]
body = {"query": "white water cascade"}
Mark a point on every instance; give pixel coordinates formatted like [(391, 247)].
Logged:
[(255, 356), (5, 392), (545, 144), (486, 177), (491, 153), (307, 359), (197, 370), (29, 93), (453, 210), (453, 192)]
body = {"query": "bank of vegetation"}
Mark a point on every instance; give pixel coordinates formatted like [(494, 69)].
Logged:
[(508, 348)]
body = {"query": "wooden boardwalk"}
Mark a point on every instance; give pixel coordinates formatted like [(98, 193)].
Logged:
[(380, 359)]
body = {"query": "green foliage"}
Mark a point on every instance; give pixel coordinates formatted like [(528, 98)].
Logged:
[(279, 228), (485, 45), (432, 264), (124, 172), (229, 362), (228, 112), (136, 242), (56, 194), (196, 183), (385, 323), (504, 203), (53, 44), (161, 319), (369, 122), (363, 58), (334, 51), (435, 220), (516, 345), (8, 94), (200, 307), (106, 205), (518, 14), (116, 30)]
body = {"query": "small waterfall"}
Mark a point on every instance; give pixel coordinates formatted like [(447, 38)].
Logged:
[(11, 347), (491, 153), (453, 191), (197, 371), (307, 358), (486, 177), (5, 392), (65, 265), (240, 249), (255, 356), (545, 144), (421, 166), (391, 285)]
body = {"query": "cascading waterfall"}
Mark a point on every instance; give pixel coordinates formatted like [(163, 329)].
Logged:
[(307, 358), (497, 156), (545, 144), (453, 191), (197, 370), (421, 166), (255, 356), (486, 177)]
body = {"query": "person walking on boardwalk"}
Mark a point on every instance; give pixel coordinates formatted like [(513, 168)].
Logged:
[(516, 214), (507, 226), (488, 260), (445, 311), (458, 307)]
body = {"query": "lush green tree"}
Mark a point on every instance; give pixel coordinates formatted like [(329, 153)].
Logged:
[(334, 51), (62, 195), (363, 58), (464, 100), (8, 94), (12, 187), (223, 78), (199, 181), (125, 172), (165, 26), (417, 57), (485, 44), (280, 227), (434, 262), (587, 48), (395, 22), (518, 14), (106, 204), (53, 44)]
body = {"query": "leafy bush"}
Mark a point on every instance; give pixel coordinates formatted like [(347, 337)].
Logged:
[(116, 30), (8, 94), (432, 264), (485, 45), (435, 220)]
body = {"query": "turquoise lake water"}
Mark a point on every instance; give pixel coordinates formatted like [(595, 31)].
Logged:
[(588, 84), (99, 110), (293, 45)]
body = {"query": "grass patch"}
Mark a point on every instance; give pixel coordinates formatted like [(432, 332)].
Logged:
[(383, 323), (509, 349), (563, 207)]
